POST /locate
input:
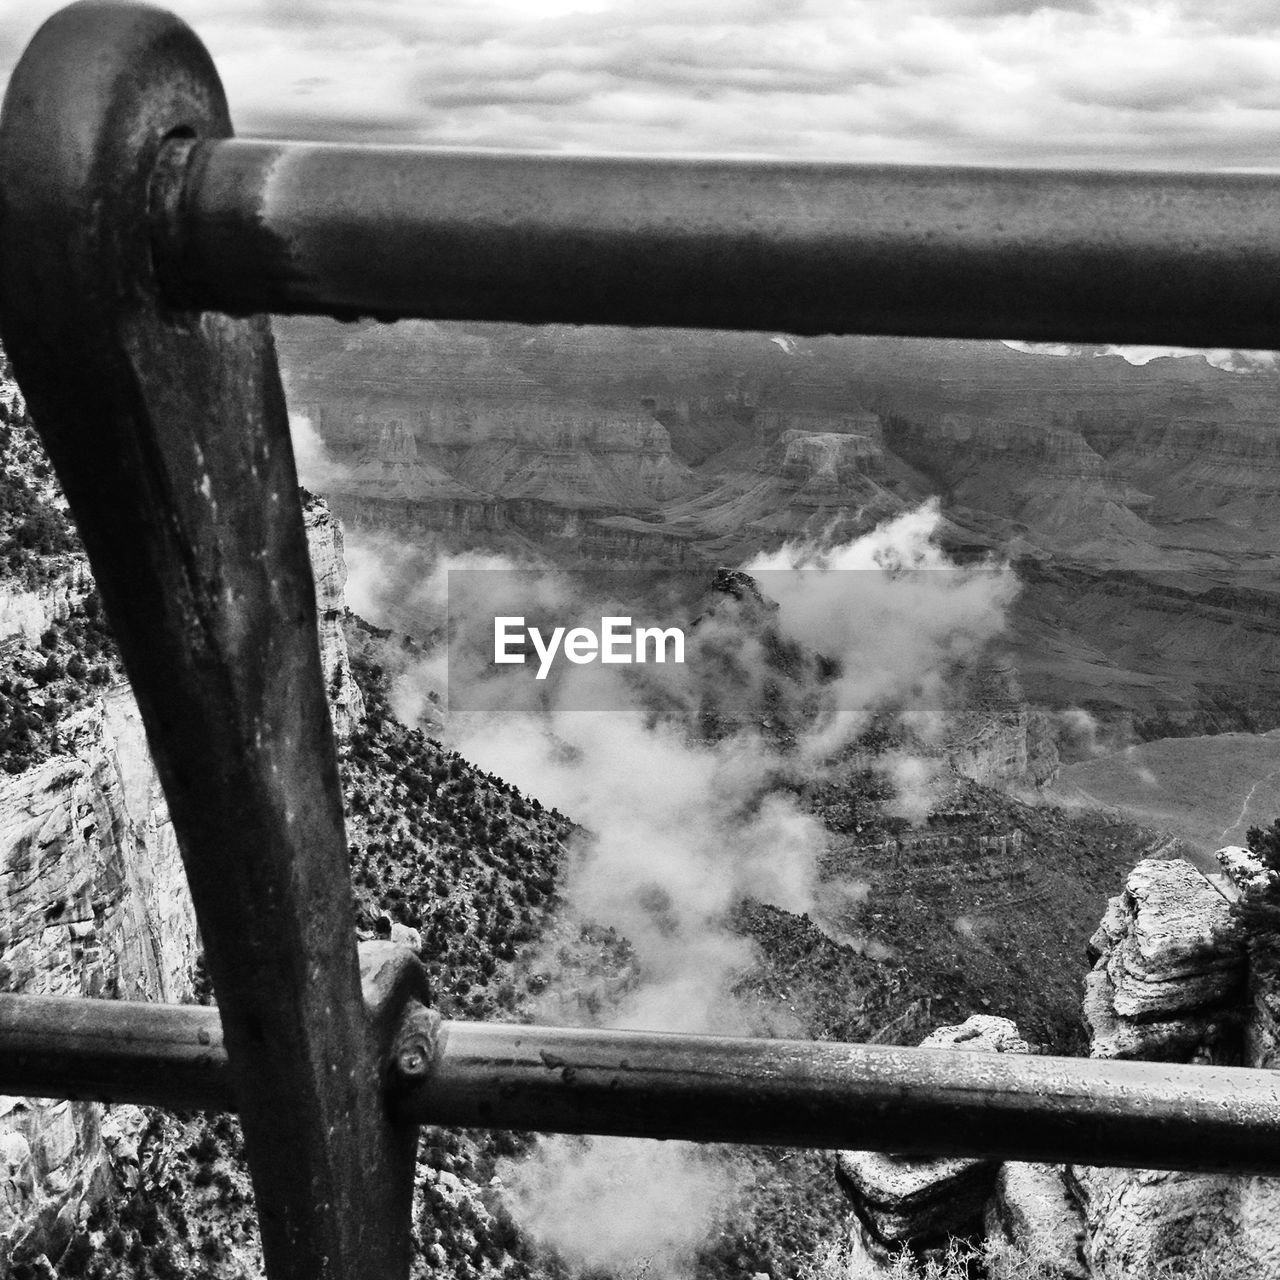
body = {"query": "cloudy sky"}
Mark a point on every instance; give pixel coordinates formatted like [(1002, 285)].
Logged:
[(1150, 83)]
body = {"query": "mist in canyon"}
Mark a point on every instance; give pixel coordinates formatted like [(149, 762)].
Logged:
[(676, 829), (968, 535)]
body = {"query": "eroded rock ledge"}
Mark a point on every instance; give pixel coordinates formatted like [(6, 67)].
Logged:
[(1170, 982)]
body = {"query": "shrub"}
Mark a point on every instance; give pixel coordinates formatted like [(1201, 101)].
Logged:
[(1258, 909)]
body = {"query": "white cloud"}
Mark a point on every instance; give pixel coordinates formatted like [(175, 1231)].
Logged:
[(1099, 82)]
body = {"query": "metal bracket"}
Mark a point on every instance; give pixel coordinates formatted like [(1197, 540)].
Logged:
[(169, 433)]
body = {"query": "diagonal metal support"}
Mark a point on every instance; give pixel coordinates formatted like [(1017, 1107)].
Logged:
[(169, 432)]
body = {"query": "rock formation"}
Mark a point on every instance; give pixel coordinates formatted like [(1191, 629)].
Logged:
[(902, 1201), (994, 735), (94, 904), (1169, 982), (1032, 1208), (1169, 970), (822, 464), (28, 612), (329, 567)]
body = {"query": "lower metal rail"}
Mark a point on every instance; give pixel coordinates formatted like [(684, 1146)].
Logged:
[(920, 1102)]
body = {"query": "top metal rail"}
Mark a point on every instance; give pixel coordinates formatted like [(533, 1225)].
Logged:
[(133, 233), (1153, 258)]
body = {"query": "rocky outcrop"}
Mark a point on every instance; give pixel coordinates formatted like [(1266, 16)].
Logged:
[(1169, 970), (392, 470), (93, 902), (1171, 983), (329, 567), (773, 423), (53, 1168), (1140, 1219), (90, 905), (822, 465), (1032, 1207), (995, 736), (1244, 872), (902, 1202), (27, 613)]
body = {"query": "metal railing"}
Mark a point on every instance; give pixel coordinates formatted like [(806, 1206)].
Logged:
[(138, 245)]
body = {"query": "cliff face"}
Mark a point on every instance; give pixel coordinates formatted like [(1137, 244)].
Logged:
[(94, 902), (89, 907), (329, 567), (995, 736), (28, 612)]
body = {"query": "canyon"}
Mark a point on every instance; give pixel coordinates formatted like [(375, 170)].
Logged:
[(1133, 504), (1136, 503)]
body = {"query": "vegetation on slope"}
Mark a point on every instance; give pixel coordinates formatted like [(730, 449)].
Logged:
[(40, 684), (36, 538), (1258, 909)]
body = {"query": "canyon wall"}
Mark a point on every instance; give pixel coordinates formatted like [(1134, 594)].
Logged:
[(94, 900), (94, 904), (27, 612)]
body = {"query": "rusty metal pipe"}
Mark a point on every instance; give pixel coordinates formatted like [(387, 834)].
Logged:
[(114, 1051), (701, 1088), (1190, 259)]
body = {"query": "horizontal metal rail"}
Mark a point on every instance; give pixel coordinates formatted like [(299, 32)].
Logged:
[(707, 1089), (1184, 259)]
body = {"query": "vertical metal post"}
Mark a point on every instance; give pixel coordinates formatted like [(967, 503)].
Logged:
[(169, 432)]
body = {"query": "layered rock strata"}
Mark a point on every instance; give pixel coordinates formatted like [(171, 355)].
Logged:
[(93, 902), (1168, 970), (1171, 983)]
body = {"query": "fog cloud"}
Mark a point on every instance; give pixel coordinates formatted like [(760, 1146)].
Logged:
[(1112, 82)]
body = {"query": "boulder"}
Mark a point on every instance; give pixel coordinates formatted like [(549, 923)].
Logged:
[(1243, 868), (915, 1201)]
